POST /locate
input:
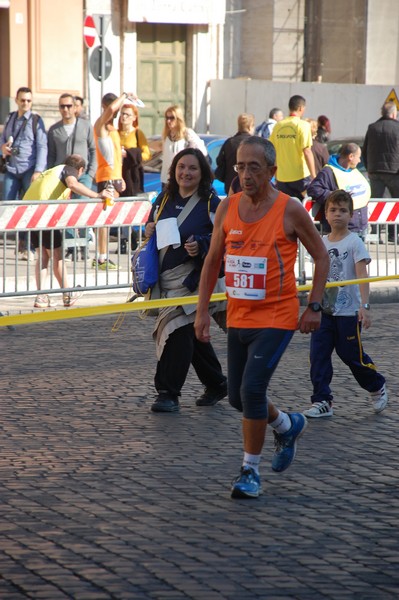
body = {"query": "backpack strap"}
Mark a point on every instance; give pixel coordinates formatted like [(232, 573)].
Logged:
[(11, 117), (35, 121)]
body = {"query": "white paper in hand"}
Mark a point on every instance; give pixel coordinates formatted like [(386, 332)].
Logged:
[(137, 102), (168, 233)]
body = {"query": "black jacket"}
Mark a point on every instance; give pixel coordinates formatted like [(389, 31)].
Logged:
[(381, 146), (133, 172), (227, 158)]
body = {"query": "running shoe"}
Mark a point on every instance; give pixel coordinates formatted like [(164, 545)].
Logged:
[(319, 409), (380, 399), (285, 443), (246, 485), (105, 265), (69, 298), (44, 301)]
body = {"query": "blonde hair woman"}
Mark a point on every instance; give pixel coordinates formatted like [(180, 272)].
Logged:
[(175, 137)]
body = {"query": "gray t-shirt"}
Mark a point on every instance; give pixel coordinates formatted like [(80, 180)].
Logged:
[(344, 255)]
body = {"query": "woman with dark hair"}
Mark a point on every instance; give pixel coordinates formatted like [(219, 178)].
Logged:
[(182, 217), (323, 129)]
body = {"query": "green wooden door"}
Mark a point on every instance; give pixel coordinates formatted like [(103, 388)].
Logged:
[(161, 71)]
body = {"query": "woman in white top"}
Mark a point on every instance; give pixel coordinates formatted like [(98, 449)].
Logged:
[(175, 137)]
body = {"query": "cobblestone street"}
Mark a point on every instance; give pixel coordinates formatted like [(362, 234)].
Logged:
[(102, 499)]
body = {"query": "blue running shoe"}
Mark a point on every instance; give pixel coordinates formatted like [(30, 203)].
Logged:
[(247, 484), (285, 443)]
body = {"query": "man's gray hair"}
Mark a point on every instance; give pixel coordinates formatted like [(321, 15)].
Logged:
[(389, 110), (273, 112), (267, 147)]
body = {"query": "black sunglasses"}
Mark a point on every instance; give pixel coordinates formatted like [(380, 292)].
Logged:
[(65, 105)]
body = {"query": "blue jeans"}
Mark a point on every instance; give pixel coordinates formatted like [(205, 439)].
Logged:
[(253, 355), (15, 186)]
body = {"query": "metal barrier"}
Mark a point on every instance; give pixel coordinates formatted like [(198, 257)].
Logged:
[(382, 213), (17, 277)]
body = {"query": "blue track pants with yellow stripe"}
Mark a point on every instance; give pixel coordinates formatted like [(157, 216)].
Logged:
[(341, 334)]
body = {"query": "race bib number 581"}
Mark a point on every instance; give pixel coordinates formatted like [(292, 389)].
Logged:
[(246, 277)]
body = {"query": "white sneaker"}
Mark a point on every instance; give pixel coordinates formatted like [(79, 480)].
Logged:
[(380, 399), (27, 255), (69, 298), (44, 301), (319, 409)]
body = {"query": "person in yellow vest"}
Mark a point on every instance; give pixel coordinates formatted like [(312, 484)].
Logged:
[(341, 172), (56, 184), (109, 165)]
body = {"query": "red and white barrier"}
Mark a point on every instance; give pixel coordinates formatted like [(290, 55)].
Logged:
[(53, 215), (379, 211)]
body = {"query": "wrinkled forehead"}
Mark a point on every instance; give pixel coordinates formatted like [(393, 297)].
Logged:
[(250, 153)]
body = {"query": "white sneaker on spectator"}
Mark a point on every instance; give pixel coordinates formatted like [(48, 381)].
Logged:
[(27, 255), (69, 298), (44, 301), (380, 399), (319, 409)]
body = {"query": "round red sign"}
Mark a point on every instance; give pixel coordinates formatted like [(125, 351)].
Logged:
[(89, 31)]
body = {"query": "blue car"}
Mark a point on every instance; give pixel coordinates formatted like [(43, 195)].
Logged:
[(152, 168)]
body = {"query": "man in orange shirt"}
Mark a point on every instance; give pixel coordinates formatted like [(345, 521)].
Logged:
[(256, 232)]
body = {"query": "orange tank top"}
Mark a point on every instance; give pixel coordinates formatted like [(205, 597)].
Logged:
[(259, 265), (109, 157)]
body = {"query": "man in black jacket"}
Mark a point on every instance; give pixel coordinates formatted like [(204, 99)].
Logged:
[(381, 156), (227, 157)]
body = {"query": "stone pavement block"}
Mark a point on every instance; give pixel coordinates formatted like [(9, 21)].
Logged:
[(101, 496)]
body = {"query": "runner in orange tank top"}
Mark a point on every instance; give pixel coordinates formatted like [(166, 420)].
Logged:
[(256, 232), (109, 165)]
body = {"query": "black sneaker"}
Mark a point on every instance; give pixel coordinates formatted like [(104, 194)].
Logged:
[(165, 403), (70, 254), (123, 246), (212, 395), (84, 253)]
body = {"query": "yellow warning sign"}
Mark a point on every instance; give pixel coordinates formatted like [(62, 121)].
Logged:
[(392, 97)]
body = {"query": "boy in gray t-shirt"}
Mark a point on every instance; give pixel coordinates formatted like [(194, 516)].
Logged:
[(345, 313)]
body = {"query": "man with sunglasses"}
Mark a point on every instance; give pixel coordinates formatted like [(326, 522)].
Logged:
[(24, 146), (72, 135)]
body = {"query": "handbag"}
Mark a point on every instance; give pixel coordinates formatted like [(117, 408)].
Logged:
[(145, 266), (145, 261)]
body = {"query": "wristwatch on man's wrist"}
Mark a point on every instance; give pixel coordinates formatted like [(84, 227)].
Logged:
[(366, 306), (315, 306)]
